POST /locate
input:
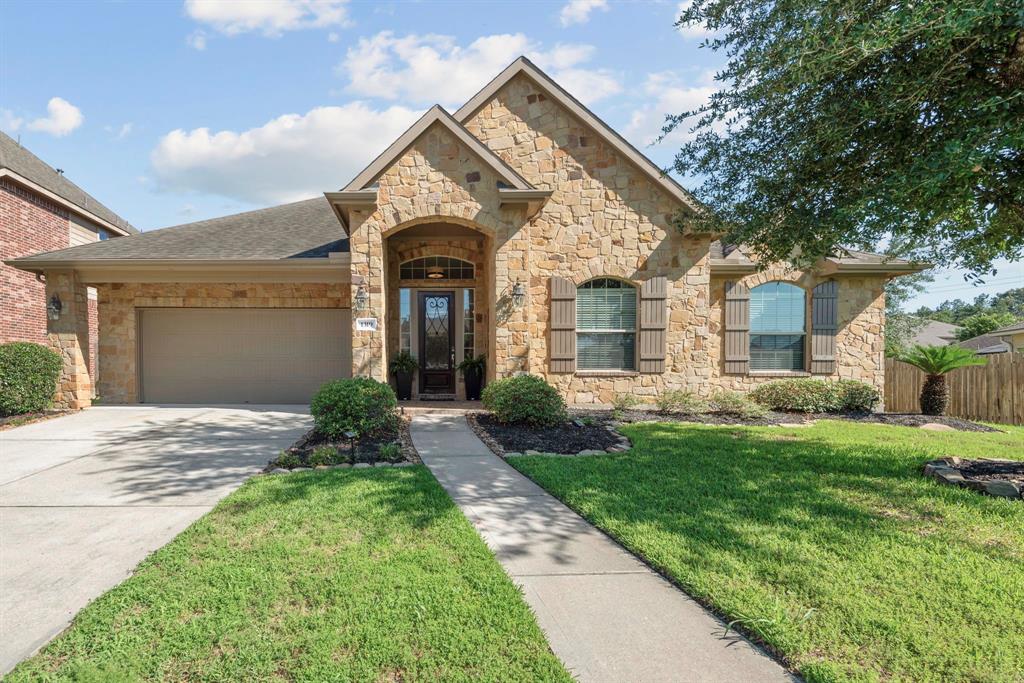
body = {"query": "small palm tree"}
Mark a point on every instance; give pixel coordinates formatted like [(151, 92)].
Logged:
[(935, 362)]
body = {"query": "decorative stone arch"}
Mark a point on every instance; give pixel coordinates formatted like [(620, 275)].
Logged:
[(484, 228)]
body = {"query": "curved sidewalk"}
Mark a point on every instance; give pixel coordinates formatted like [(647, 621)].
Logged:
[(607, 615)]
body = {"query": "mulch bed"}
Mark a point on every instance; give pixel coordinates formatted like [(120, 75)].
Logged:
[(367, 449), (12, 421), (914, 420), (1003, 478), (568, 438)]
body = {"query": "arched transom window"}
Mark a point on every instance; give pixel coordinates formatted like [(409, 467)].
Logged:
[(436, 268), (777, 327), (606, 325)]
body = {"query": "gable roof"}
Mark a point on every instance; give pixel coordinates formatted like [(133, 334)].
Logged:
[(28, 169), (1013, 328), (936, 333), (301, 230), (986, 343), (527, 68), (438, 115)]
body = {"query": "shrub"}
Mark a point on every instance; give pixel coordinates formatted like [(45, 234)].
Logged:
[(359, 404), (735, 403), (816, 396), (681, 401), (323, 455), (288, 461), (389, 452), (28, 377), (524, 399), (624, 402)]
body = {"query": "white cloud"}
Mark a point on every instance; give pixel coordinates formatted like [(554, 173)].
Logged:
[(292, 157), (433, 68), (62, 118), (694, 31), (670, 95), (333, 37), (578, 11), (9, 121), (269, 17), (196, 40), (120, 132)]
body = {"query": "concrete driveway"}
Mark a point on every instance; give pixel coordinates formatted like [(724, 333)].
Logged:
[(84, 498)]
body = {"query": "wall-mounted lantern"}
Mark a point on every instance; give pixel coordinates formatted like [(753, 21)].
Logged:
[(54, 308), (362, 300), (518, 294)]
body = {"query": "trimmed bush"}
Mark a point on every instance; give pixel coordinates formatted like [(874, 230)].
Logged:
[(816, 396), (681, 401), (524, 399), (28, 377), (359, 404), (735, 403)]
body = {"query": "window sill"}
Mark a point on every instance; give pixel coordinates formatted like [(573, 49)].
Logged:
[(606, 373), (779, 373)]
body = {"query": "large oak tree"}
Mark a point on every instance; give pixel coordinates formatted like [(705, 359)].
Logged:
[(849, 123)]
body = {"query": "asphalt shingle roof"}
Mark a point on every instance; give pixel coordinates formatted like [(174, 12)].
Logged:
[(26, 164), (306, 229)]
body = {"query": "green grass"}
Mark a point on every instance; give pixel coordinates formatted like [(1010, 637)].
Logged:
[(825, 542), (340, 575)]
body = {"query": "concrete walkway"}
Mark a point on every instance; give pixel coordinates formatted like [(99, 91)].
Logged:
[(86, 497), (607, 616)]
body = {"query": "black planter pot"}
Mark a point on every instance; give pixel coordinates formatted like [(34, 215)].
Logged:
[(474, 381), (403, 385)]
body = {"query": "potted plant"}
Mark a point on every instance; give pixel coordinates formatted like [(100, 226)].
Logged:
[(402, 366), (472, 370)]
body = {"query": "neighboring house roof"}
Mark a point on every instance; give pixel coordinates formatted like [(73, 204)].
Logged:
[(936, 333), (527, 68), (1009, 330), (986, 344), (301, 230), (28, 169), (729, 259)]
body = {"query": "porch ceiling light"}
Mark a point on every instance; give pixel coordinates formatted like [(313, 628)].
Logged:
[(435, 272), (518, 294), (362, 300)]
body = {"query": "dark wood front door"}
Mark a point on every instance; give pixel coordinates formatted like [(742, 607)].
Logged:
[(437, 346)]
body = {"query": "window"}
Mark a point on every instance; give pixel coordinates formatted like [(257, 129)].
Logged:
[(468, 329), (777, 313), (405, 320), (606, 325), (436, 268)]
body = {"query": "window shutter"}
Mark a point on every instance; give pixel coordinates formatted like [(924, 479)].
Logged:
[(563, 325), (653, 318), (824, 322), (737, 328)]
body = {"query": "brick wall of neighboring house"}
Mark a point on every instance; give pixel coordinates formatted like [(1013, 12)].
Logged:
[(29, 224)]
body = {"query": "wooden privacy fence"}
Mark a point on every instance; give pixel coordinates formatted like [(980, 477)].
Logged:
[(993, 392)]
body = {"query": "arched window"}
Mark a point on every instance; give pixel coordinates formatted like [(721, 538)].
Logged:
[(606, 325), (436, 268), (777, 327)]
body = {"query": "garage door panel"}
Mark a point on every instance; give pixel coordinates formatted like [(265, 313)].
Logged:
[(224, 355)]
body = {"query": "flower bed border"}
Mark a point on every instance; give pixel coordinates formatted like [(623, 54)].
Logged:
[(947, 471)]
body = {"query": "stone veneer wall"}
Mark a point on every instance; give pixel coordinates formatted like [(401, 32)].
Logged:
[(117, 312)]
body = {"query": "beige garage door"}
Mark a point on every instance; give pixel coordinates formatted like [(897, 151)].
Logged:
[(242, 355)]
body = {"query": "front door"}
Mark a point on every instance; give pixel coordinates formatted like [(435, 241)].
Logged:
[(437, 348)]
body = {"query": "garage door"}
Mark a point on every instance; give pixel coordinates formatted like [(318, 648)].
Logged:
[(241, 355)]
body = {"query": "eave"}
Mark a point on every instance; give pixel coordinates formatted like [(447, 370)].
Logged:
[(57, 199), (827, 267)]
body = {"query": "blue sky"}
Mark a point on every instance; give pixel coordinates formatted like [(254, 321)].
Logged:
[(175, 111)]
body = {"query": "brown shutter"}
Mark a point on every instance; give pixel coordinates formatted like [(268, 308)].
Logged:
[(824, 322), (653, 317), (563, 325), (737, 328)]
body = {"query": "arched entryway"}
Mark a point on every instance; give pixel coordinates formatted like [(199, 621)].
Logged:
[(439, 296)]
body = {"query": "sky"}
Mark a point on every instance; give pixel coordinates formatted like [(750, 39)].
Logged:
[(179, 110)]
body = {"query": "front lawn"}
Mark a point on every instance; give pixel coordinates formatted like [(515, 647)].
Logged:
[(824, 541), (336, 575)]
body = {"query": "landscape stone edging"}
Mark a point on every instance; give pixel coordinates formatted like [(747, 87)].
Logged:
[(946, 471), (624, 444)]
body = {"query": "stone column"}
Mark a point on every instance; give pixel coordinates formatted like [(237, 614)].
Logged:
[(69, 336), (366, 248)]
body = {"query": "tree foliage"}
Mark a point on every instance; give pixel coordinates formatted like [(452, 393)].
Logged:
[(844, 123), (955, 311), (983, 323)]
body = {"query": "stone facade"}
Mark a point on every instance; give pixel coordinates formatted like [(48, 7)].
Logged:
[(118, 304)]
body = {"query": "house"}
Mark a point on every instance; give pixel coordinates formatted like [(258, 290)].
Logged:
[(935, 333), (986, 344), (1012, 335), (520, 226), (41, 210)]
